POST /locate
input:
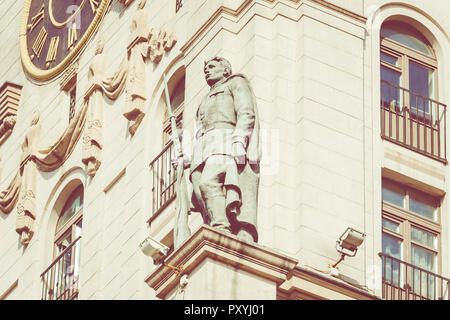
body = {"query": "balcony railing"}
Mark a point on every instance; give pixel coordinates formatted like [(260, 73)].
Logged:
[(60, 279), (164, 177), (413, 121), (404, 281)]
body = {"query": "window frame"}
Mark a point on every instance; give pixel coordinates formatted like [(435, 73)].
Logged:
[(69, 227), (405, 55), (408, 219)]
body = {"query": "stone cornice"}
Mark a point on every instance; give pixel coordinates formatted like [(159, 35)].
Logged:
[(211, 243), (246, 4), (307, 284)]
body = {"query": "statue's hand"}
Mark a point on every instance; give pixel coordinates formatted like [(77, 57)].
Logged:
[(176, 161), (239, 153)]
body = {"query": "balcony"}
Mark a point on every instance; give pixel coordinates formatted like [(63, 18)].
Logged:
[(163, 179), (413, 121), (404, 281), (60, 279)]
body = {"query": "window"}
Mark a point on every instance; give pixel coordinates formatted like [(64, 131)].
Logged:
[(411, 234), (411, 113), (407, 61), (61, 277)]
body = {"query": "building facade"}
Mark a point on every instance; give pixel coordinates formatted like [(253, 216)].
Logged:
[(352, 98)]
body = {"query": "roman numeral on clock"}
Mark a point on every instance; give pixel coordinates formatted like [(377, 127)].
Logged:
[(52, 51), (39, 42), (94, 5), (36, 19), (72, 36)]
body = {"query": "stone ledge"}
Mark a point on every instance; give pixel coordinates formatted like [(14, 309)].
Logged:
[(310, 285), (210, 243)]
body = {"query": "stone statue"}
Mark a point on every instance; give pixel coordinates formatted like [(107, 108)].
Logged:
[(26, 207), (93, 138), (224, 167), (136, 83)]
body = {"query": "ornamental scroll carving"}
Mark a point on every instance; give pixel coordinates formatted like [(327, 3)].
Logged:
[(143, 43)]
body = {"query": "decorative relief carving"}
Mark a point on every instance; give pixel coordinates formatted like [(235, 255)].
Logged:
[(93, 137), (9, 102), (136, 89), (144, 43), (126, 3), (69, 77), (26, 208)]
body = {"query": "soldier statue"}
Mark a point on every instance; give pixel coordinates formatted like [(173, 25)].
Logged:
[(224, 165)]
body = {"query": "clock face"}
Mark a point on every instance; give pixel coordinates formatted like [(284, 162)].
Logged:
[(54, 31)]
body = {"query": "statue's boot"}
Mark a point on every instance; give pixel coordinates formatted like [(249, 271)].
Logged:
[(217, 212)]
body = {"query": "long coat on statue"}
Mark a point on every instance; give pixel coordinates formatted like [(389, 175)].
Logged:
[(229, 114)]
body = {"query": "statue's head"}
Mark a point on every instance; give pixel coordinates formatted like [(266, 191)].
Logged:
[(100, 46), (216, 69)]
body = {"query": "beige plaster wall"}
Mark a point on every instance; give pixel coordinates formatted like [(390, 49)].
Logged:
[(315, 72)]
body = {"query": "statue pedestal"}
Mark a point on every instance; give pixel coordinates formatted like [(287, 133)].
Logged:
[(219, 266)]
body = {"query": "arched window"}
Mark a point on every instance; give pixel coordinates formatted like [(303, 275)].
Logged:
[(68, 228), (411, 114), (62, 276), (408, 61)]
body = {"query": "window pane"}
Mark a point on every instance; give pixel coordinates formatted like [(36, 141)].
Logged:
[(389, 59), (391, 268), (405, 35), (393, 197), (421, 85), (390, 94), (424, 237), (391, 225), (423, 258), (73, 204), (392, 246), (421, 208)]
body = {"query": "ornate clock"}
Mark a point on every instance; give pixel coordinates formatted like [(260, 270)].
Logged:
[(53, 32)]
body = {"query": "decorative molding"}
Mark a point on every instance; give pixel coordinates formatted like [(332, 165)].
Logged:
[(9, 102), (236, 15), (69, 77)]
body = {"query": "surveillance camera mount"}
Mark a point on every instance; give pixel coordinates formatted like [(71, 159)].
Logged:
[(177, 269)]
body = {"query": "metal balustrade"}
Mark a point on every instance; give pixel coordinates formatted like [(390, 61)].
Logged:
[(60, 279), (413, 121), (404, 281), (164, 177)]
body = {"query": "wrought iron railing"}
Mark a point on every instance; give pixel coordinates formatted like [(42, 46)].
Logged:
[(413, 121), (164, 177), (404, 281), (60, 279)]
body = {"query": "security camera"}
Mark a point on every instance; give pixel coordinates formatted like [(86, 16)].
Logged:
[(155, 249)]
